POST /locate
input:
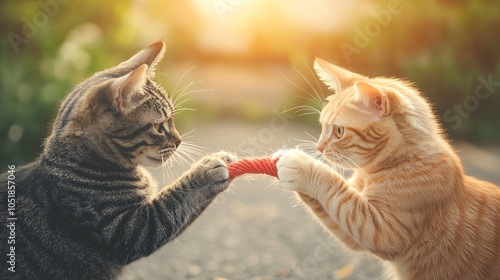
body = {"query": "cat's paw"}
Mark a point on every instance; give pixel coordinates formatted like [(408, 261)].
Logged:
[(211, 172), (295, 169), (225, 156)]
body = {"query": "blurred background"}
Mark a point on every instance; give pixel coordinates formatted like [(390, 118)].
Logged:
[(242, 64)]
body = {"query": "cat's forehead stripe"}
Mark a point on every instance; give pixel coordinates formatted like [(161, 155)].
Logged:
[(329, 114), (170, 109), (162, 98)]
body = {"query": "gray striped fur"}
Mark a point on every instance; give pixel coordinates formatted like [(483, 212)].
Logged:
[(85, 207)]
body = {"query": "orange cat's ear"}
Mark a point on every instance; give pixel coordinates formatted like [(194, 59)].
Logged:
[(126, 92), (336, 78), (149, 56), (372, 100)]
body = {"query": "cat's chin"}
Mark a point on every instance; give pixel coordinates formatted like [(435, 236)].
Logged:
[(338, 163), (151, 161), (342, 166)]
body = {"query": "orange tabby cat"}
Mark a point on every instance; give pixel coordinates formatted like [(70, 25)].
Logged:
[(408, 201)]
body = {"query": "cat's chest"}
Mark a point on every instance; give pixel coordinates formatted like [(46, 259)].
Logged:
[(359, 182), (146, 179)]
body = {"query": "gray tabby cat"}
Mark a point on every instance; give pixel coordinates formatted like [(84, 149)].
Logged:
[(85, 207)]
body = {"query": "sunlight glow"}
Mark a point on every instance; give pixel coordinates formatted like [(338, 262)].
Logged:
[(235, 23)]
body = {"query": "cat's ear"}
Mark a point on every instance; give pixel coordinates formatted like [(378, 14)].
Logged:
[(149, 56), (336, 78), (371, 100), (126, 92)]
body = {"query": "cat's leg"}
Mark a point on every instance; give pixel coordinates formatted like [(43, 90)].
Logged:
[(370, 222), (139, 229), (328, 222), (320, 213)]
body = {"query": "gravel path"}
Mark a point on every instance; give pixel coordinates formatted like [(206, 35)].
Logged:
[(255, 231)]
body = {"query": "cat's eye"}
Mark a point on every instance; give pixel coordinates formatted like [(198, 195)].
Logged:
[(158, 127), (161, 127), (338, 131)]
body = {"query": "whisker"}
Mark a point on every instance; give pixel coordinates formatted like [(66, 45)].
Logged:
[(192, 153), (314, 138), (305, 109), (163, 168), (355, 164), (182, 77), (319, 99), (188, 148), (178, 101), (307, 143), (180, 110), (178, 94), (314, 101), (182, 156), (312, 152), (315, 79), (185, 154), (340, 169), (184, 91), (200, 90), (188, 133), (191, 146), (303, 90), (166, 170)]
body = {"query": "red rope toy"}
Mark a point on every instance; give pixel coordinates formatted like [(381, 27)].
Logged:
[(253, 166)]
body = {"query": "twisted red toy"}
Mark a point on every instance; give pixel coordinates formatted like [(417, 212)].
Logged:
[(253, 166)]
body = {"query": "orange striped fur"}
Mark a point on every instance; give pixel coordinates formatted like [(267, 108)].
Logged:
[(408, 201)]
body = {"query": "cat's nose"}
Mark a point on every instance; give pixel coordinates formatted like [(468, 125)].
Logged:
[(177, 143), (320, 148), (176, 139)]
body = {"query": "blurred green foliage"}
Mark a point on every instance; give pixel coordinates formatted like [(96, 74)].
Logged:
[(446, 48), (40, 69), (443, 46)]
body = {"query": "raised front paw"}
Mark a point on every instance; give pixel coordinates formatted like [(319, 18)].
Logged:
[(295, 169), (225, 156), (211, 172)]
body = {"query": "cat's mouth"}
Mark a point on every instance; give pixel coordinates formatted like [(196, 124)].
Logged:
[(340, 160), (333, 156), (167, 151), (155, 159)]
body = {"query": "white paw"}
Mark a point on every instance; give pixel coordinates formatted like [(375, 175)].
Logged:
[(294, 169), (280, 153)]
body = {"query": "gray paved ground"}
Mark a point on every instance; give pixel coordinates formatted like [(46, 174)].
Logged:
[(255, 231)]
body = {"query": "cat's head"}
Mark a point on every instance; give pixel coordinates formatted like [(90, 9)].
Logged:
[(121, 114), (368, 120)]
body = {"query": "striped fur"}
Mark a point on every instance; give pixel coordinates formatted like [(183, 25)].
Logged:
[(408, 201), (85, 207)]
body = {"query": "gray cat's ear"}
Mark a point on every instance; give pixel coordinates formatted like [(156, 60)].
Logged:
[(126, 92), (336, 78), (149, 56)]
